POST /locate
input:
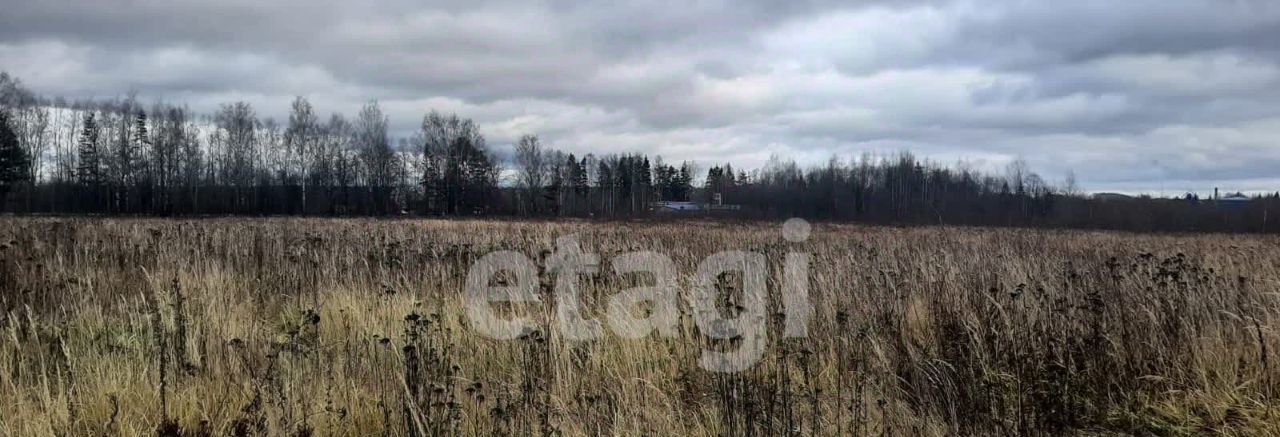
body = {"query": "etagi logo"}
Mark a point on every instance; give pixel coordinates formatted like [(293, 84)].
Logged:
[(569, 262)]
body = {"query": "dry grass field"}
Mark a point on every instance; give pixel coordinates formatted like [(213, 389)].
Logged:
[(355, 327)]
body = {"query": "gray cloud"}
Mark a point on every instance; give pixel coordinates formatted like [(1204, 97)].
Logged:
[(1128, 95)]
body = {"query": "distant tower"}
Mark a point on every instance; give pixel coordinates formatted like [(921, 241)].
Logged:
[(1215, 194)]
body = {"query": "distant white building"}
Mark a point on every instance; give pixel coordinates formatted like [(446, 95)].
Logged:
[(1230, 202), (667, 206), (1233, 202), (1237, 197), (1111, 196)]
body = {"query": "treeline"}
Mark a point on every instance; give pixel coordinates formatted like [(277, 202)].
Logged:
[(123, 157)]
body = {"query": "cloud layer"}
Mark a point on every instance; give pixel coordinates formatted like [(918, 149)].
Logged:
[(1141, 95)]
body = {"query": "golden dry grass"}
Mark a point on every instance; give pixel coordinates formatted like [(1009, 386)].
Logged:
[(297, 326)]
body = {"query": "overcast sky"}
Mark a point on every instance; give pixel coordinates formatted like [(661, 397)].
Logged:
[(1133, 95)]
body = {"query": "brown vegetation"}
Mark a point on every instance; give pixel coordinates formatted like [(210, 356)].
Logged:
[(354, 327)]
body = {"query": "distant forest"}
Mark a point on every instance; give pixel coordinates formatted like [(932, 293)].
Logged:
[(124, 158)]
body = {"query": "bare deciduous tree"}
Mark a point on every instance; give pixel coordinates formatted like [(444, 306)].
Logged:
[(532, 168), (301, 139)]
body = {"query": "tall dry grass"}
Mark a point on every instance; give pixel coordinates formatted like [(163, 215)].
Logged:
[(354, 327)]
